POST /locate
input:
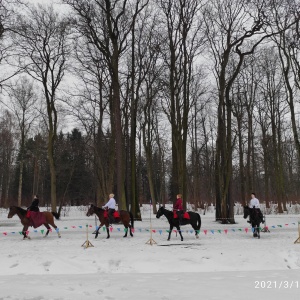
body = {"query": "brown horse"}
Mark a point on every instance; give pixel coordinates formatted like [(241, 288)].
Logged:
[(15, 210), (125, 217)]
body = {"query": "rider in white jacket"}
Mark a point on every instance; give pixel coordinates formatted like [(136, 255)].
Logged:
[(254, 203), (111, 205)]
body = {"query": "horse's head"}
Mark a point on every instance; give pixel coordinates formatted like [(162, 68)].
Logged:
[(91, 210), (160, 212), (246, 211), (12, 211)]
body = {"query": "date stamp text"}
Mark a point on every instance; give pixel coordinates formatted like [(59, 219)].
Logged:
[(274, 284)]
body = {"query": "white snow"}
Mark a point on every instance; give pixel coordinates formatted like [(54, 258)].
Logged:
[(226, 262)]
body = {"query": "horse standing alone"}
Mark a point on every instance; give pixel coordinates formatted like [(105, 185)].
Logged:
[(195, 221), (125, 217), (21, 213), (255, 220)]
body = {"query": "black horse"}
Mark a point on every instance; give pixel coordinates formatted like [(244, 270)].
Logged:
[(255, 219), (194, 220)]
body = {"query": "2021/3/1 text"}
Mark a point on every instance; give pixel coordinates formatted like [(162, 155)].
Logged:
[(273, 284)]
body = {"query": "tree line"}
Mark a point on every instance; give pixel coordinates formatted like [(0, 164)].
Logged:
[(148, 99)]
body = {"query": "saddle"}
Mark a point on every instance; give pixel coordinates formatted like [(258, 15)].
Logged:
[(184, 216), (258, 214), (115, 215)]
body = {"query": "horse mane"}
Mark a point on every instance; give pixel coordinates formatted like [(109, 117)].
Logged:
[(98, 209), (20, 209), (166, 210)]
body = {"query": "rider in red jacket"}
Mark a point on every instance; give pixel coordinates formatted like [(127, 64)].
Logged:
[(178, 207), (178, 204)]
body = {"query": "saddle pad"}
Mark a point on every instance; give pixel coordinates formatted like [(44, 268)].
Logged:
[(105, 214), (186, 215), (116, 214), (37, 219)]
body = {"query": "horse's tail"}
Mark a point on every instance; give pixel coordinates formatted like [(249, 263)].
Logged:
[(56, 215), (198, 221), (132, 220)]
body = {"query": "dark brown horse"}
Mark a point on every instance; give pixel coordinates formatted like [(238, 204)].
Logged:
[(194, 221), (125, 217), (15, 210)]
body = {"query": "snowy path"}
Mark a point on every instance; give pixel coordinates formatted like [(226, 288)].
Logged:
[(221, 264)]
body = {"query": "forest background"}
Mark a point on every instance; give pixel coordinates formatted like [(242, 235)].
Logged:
[(148, 99)]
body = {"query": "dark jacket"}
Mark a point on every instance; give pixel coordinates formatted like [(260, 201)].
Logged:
[(34, 205)]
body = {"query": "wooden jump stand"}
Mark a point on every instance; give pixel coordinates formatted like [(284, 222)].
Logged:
[(87, 243), (151, 240), (298, 239)]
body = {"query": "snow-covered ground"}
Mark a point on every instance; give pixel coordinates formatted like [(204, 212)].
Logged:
[(225, 262)]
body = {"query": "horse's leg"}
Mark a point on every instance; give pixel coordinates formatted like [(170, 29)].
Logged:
[(24, 232), (171, 228), (196, 231), (97, 231), (54, 226), (57, 230), (258, 234), (48, 229), (107, 229), (254, 231), (179, 230), (126, 231), (130, 230)]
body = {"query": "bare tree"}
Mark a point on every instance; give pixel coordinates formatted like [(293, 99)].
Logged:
[(89, 103), (234, 29), (7, 147), (22, 104), (288, 47), (43, 46), (184, 41), (7, 56), (107, 25)]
